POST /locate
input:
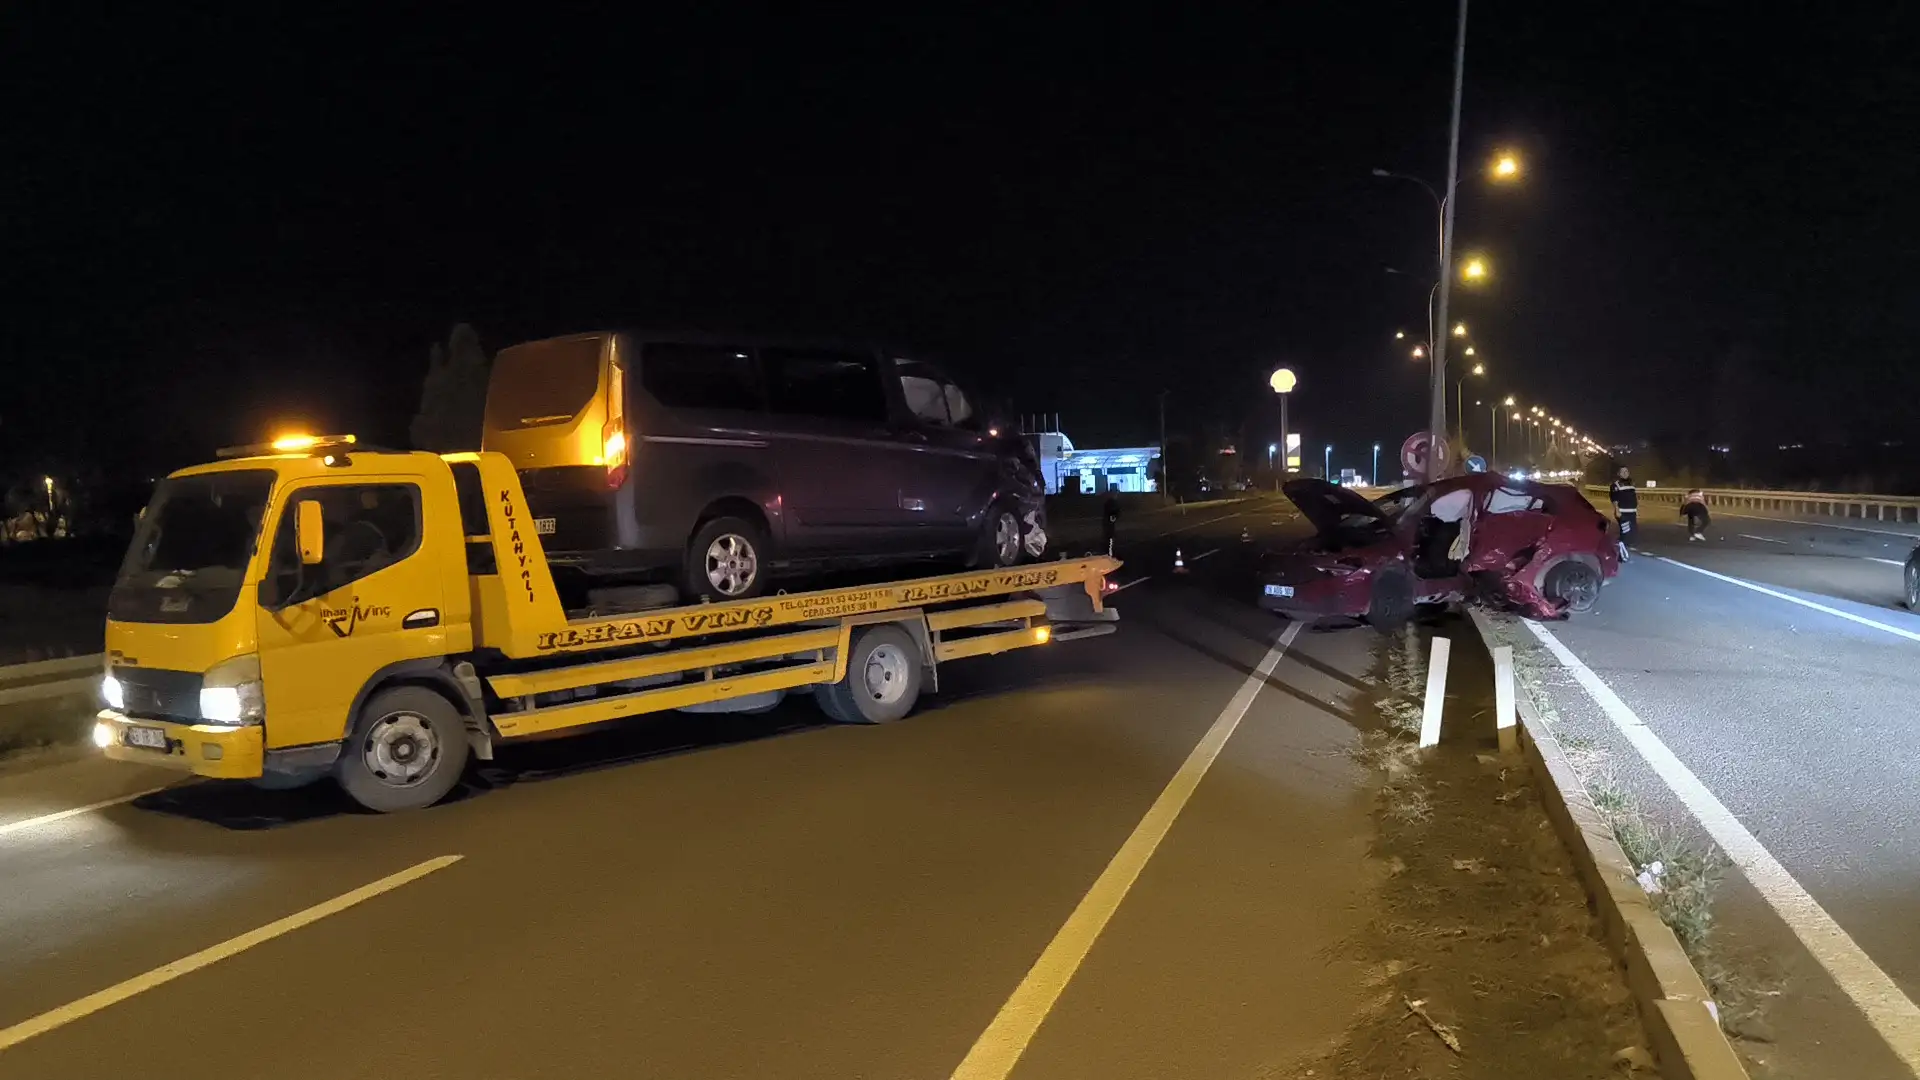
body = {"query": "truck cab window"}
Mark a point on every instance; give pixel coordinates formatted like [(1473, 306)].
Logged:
[(369, 528)]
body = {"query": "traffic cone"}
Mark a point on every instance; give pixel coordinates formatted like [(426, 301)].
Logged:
[(1179, 563), (1246, 535)]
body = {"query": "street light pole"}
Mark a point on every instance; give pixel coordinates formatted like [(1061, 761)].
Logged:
[(1375, 478), (1326, 465), (1165, 495), (1437, 415)]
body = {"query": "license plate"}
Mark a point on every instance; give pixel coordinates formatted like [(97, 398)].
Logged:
[(543, 526), (1279, 590), (152, 738)]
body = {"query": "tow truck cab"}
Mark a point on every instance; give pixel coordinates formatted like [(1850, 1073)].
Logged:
[(312, 608)]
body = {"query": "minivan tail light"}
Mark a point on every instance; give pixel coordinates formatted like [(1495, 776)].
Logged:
[(614, 453)]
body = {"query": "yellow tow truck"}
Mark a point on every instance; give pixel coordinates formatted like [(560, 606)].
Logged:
[(312, 608)]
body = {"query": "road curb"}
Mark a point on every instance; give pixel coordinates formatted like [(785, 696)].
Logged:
[(1672, 998)]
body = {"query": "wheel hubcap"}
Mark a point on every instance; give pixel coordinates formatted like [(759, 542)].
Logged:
[(886, 674), (731, 564), (1006, 538), (401, 749)]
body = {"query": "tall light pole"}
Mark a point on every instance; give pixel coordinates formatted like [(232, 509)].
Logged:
[(1375, 478), (1326, 465), (1282, 380), (1437, 411)]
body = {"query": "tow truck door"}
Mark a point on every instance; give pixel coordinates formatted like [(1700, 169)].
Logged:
[(375, 599)]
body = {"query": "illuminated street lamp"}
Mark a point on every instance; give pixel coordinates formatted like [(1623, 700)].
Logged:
[(1399, 335), (1419, 352), (1506, 167), (1459, 329), (1469, 350), (50, 511), (1474, 270), (1282, 380)]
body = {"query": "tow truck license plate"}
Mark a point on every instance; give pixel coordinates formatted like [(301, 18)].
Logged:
[(1279, 590), (543, 526), (152, 738)]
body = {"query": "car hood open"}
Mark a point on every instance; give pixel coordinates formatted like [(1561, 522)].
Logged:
[(1327, 505)]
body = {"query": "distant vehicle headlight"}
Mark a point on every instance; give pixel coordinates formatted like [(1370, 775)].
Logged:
[(113, 693)]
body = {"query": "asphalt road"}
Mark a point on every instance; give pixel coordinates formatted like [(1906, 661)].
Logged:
[(1803, 718), (741, 897)]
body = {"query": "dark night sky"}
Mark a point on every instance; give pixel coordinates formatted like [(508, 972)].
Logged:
[(213, 223)]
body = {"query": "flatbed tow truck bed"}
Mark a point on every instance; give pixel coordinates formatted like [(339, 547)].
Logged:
[(392, 697)]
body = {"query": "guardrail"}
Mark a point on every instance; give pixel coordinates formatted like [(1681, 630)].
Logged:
[(50, 678), (1898, 508)]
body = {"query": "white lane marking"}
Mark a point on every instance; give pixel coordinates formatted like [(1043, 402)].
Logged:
[(115, 994), (1204, 554), (1778, 595), (1889, 562), (62, 815), (1762, 539), (1000, 1046), (1822, 524), (1131, 584), (1891, 1012)]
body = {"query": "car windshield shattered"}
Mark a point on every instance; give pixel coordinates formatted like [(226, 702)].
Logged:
[(190, 552)]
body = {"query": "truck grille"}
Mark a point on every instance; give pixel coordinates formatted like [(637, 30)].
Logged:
[(158, 694)]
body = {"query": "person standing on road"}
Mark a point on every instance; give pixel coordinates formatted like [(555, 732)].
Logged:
[(1626, 508), (1110, 519), (1694, 509)]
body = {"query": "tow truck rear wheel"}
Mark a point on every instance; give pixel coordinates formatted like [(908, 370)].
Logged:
[(407, 750), (883, 679)]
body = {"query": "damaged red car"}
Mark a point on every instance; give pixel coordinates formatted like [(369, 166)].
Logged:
[(1541, 550)]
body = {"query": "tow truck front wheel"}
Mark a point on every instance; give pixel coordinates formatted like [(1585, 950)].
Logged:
[(882, 682), (407, 750)]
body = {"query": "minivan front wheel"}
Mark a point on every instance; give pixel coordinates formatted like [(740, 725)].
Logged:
[(726, 560), (999, 539)]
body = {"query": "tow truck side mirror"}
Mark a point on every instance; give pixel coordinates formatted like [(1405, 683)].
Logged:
[(309, 532)]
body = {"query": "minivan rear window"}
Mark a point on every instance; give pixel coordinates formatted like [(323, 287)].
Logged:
[(543, 382), (701, 376)]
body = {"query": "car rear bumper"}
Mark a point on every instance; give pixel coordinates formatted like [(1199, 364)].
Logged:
[(216, 750)]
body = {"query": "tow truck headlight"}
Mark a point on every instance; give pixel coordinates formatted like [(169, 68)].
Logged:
[(103, 735), (113, 693), (231, 692)]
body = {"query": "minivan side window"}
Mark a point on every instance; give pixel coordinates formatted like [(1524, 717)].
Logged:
[(824, 383), (682, 376), (925, 395), (369, 528)]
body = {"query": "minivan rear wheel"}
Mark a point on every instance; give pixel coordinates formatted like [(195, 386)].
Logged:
[(726, 560)]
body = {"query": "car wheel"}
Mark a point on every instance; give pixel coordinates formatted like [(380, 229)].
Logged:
[(726, 560), (407, 750), (1575, 584), (1391, 601), (883, 678), (1000, 537), (1913, 587)]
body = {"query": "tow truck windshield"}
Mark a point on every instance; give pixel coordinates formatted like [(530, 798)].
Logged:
[(191, 549)]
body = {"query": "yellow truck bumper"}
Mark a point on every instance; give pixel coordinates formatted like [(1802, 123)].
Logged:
[(217, 750)]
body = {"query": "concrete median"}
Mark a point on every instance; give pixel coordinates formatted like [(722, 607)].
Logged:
[(1671, 996), (48, 702)]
